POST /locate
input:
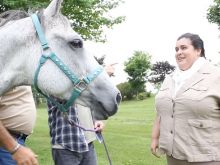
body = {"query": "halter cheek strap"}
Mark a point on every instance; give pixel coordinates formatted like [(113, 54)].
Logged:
[(79, 84)]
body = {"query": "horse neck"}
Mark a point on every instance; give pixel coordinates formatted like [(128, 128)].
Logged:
[(16, 51)]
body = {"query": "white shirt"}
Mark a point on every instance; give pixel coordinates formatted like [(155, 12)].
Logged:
[(180, 76)]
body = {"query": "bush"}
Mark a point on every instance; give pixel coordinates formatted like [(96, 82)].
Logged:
[(126, 90), (143, 95)]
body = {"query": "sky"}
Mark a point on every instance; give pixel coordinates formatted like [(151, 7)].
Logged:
[(153, 26)]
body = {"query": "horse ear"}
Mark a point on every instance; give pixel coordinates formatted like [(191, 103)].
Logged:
[(53, 8)]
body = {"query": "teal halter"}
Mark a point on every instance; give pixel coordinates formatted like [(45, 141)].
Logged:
[(79, 84)]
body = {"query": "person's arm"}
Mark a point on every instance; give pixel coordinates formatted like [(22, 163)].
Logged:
[(155, 136), (20, 154)]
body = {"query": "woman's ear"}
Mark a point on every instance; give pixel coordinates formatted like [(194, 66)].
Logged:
[(199, 52)]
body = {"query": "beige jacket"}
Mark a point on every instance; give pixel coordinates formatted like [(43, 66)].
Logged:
[(190, 121), (17, 110)]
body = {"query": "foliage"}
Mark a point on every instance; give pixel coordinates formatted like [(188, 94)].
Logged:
[(213, 14), (143, 95), (22, 4), (89, 17), (137, 68), (126, 90), (159, 71)]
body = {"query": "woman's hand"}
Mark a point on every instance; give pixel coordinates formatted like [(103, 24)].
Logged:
[(154, 146), (155, 137)]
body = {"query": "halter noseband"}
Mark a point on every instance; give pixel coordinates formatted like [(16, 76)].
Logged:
[(79, 84)]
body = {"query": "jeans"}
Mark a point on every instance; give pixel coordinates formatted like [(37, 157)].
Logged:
[(6, 157), (66, 157)]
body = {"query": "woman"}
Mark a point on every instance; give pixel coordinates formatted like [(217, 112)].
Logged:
[(187, 126)]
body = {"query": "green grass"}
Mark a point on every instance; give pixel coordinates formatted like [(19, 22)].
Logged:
[(127, 135)]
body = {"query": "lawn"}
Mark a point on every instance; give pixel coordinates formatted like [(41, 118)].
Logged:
[(127, 135)]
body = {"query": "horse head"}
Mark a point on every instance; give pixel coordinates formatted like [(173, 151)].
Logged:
[(100, 94)]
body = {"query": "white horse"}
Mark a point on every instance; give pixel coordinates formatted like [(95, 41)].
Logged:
[(20, 51)]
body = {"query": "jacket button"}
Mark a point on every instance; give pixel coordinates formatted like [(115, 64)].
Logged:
[(171, 132), (201, 125)]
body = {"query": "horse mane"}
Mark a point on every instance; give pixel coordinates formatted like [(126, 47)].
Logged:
[(12, 15)]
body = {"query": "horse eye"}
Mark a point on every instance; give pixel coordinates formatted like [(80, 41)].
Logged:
[(77, 43)]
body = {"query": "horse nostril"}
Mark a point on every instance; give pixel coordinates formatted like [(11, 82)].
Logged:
[(118, 98)]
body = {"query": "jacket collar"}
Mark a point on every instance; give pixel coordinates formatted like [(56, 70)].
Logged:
[(196, 78)]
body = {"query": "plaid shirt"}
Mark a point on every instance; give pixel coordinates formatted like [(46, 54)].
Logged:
[(62, 133)]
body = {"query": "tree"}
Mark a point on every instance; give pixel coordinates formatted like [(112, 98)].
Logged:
[(213, 14), (137, 68), (126, 90), (22, 4), (89, 17), (159, 71)]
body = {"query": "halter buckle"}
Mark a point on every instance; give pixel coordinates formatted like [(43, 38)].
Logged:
[(81, 85), (46, 51)]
